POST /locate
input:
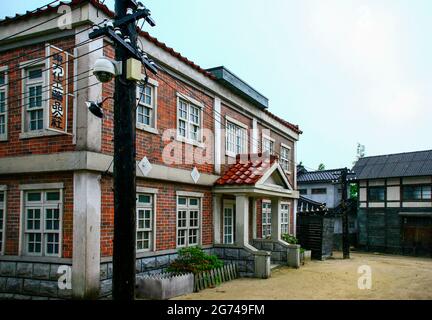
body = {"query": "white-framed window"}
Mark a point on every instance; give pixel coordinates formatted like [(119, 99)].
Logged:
[(144, 215), (236, 138), (3, 103), (228, 227), (43, 210), (34, 101), (2, 220), (188, 221), (268, 144), (266, 219), (146, 116), (285, 213), (285, 158), (189, 119)]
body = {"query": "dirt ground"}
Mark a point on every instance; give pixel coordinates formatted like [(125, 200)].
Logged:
[(393, 277)]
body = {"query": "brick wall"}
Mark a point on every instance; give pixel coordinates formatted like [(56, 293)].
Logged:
[(13, 212), (165, 214), (42, 145)]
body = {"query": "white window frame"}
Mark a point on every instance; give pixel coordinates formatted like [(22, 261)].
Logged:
[(3, 206), (228, 205), (235, 130), (152, 128), (266, 216), (146, 207), (188, 209), (190, 103), (285, 217), (285, 159), (43, 204), (26, 82), (271, 143), (5, 89)]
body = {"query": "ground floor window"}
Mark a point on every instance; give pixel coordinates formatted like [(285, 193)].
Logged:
[(266, 219), (228, 230), (144, 214), (42, 222), (285, 213), (2, 220), (188, 221)]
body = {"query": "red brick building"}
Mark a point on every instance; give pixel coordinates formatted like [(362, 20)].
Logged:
[(204, 174)]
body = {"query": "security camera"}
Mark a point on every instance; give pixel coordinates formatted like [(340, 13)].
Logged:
[(105, 69)]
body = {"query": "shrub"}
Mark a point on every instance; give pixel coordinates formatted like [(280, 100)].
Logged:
[(194, 260), (289, 238)]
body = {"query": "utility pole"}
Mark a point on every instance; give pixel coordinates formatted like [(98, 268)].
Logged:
[(124, 252), (345, 226)]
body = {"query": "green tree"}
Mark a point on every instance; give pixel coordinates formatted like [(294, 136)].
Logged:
[(321, 167)]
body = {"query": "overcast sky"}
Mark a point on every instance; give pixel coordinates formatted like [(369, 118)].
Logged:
[(345, 71)]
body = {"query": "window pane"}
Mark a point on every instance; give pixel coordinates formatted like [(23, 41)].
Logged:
[(35, 74), (193, 202), (2, 78), (34, 196), (144, 198), (182, 201), (426, 193), (53, 196)]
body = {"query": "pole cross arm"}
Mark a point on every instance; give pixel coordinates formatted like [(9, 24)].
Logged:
[(120, 41), (140, 14)]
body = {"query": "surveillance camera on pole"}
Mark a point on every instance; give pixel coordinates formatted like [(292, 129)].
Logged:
[(105, 69)]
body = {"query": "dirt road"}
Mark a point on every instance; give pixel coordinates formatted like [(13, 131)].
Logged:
[(393, 277)]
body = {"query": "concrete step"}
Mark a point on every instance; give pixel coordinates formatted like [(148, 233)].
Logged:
[(274, 266)]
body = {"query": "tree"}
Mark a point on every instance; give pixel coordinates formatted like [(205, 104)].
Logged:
[(321, 167)]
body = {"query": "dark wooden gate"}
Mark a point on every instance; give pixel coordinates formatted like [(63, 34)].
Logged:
[(315, 233), (417, 235)]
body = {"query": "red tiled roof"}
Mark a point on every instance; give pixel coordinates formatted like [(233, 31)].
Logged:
[(103, 8), (248, 169)]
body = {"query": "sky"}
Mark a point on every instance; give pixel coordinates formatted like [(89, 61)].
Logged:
[(345, 71)]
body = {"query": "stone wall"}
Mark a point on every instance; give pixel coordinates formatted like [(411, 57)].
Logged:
[(243, 258), (279, 252), (30, 280)]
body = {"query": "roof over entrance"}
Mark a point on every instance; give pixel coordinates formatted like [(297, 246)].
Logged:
[(259, 174)]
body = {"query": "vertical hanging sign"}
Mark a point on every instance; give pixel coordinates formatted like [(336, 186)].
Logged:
[(58, 89)]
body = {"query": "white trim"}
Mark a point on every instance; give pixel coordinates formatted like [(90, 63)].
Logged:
[(152, 230), (3, 189), (190, 194), (41, 186), (240, 124), (217, 135), (284, 146), (152, 128), (190, 100), (198, 143), (147, 190), (187, 227), (272, 140), (228, 204), (238, 127), (5, 88), (270, 171)]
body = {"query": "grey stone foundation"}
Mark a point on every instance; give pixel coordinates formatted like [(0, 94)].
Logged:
[(281, 253), (30, 280), (244, 259)]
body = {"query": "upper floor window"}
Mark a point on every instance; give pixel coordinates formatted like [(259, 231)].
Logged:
[(285, 158), (3, 104), (236, 138), (319, 191), (421, 192), (34, 101), (188, 221), (189, 118), (268, 145), (42, 222), (376, 193), (145, 212), (147, 106), (2, 220)]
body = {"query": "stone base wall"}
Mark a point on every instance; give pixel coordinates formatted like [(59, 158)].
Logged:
[(244, 259), (279, 253), (30, 280)]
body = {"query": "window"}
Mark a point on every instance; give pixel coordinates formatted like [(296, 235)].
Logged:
[(147, 106), (42, 222), (236, 139), (423, 192), (266, 220), (188, 221), (2, 220), (144, 209), (303, 191), (268, 145), (285, 213), (319, 191), (228, 230), (189, 121), (3, 105), (376, 193), (285, 158), (34, 102)]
